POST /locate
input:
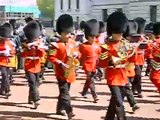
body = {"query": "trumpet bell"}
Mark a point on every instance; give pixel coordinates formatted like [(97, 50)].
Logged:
[(76, 62)]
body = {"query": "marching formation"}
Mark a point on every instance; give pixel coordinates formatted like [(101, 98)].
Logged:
[(116, 51)]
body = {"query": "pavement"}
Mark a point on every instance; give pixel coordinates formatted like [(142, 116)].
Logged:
[(16, 107)]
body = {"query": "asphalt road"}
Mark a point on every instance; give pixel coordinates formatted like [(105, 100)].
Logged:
[(16, 107)]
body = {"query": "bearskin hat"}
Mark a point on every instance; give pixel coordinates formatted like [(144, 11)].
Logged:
[(116, 23), (32, 30), (13, 23), (82, 23), (28, 19), (6, 30), (141, 24), (132, 28), (91, 28), (8, 25), (40, 24), (102, 27), (64, 24), (149, 28), (156, 28)]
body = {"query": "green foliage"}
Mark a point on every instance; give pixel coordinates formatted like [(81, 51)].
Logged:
[(46, 7)]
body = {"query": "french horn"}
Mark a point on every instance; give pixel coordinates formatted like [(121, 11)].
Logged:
[(124, 51)]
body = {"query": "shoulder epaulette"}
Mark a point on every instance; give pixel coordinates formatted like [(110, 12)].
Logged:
[(105, 46)]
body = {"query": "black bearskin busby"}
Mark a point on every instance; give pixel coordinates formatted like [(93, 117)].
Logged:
[(82, 23), (116, 23), (28, 19), (149, 27), (64, 24), (102, 27), (6, 30), (141, 24), (156, 28), (91, 28), (132, 28), (32, 31)]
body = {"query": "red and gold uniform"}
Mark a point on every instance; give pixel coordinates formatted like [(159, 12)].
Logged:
[(6, 46), (114, 75), (89, 56), (60, 53), (32, 57), (32, 52), (6, 51), (155, 63)]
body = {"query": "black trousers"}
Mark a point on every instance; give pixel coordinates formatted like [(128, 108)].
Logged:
[(64, 99), (41, 75), (137, 83), (129, 93), (10, 73), (20, 62), (90, 84), (5, 85), (148, 66), (33, 81), (116, 104)]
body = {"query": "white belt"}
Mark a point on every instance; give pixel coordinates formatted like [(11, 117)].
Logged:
[(32, 58), (118, 66)]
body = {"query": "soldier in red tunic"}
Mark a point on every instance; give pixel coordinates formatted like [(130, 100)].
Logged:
[(63, 55), (137, 83), (32, 54), (90, 51), (155, 62), (6, 51), (130, 67), (115, 72)]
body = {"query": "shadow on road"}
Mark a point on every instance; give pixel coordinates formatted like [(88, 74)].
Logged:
[(48, 82), (81, 99), (90, 107), (49, 97), (20, 115), (21, 105), (148, 101), (138, 118)]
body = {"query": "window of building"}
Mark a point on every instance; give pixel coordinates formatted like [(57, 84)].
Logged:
[(153, 13), (120, 9), (19, 14), (69, 4), (104, 14), (77, 4), (61, 4)]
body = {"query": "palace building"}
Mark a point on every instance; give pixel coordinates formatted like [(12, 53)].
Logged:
[(100, 9)]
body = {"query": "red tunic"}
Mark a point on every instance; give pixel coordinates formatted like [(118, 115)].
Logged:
[(32, 59), (130, 68), (6, 45), (59, 53), (155, 71), (89, 56), (114, 76)]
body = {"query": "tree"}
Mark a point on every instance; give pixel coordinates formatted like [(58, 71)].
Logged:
[(46, 7)]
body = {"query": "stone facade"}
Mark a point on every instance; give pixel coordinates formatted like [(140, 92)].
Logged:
[(100, 9)]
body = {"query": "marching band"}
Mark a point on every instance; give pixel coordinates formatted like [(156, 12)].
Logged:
[(117, 51)]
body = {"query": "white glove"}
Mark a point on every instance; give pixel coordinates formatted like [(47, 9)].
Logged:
[(62, 64)]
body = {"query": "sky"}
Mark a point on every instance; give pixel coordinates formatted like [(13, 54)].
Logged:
[(18, 2)]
